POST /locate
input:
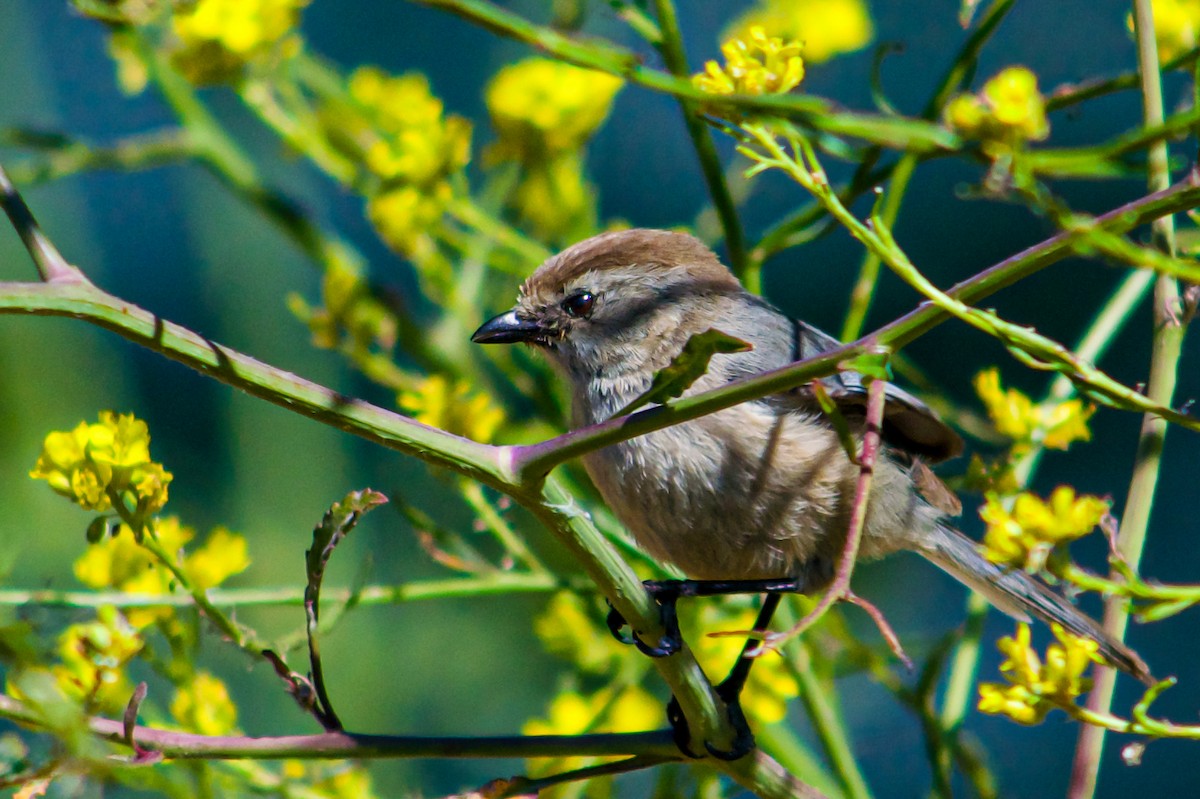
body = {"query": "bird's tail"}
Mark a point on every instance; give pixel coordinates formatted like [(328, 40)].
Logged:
[(1020, 595)]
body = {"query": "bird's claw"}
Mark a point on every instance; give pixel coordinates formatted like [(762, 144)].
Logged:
[(671, 640), (743, 739)]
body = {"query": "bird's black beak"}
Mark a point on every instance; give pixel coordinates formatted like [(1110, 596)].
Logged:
[(507, 328)]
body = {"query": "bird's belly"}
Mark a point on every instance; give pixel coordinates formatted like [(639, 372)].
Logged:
[(736, 495)]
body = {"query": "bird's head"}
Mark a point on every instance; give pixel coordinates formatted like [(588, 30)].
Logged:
[(616, 302)]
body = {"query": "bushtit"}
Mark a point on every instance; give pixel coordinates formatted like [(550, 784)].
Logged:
[(762, 490)]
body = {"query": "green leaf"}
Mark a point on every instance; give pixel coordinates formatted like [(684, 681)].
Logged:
[(337, 523), (872, 365), (687, 367)]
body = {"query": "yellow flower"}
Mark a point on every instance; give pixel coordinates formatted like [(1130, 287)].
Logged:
[(1014, 701), (1054, 424), (1006, 113), (217, 39), (571, 713), (93, 656), (1176, 25), (453, 407), (119, 561), (757, 64), (397, 129), (554, 200), (541, 108), (203, 706), (1036, 688), (824, 28), (353, 782), (1025, 536), (568, 628), (403, 216), (222, 556), (1014, 100), (93, 460), (400, 128)]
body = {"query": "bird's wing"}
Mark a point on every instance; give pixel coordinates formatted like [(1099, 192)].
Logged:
[(908, 424)]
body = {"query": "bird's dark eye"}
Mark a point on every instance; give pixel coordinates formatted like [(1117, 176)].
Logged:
[(579, 306)]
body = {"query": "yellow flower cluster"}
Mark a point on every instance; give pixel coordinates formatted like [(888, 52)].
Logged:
[(770, 685), (1025, 536), (399, 130), (453, 407), (542, 108), (825, 28), (757, 64), (91, 664), (544, 112), (1035, 688), (1008, 112), (119, 561), (97, 463), (203, 706), (218, 39), (1176, 26), (1055, 425)]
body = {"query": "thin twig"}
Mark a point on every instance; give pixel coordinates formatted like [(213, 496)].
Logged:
[(840, 586), (50, 263)]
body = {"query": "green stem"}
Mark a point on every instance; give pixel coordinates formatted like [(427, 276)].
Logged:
[(671, 47), (868, 274), (819, 704), (499, 583), (1164, 362)]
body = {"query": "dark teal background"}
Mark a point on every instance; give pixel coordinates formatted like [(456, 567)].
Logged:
[(173, 241)]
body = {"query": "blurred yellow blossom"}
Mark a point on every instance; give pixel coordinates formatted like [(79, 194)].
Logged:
[(1006, 113), (404, 214), (223, 555), (217, 39), (91, 660), (1014, 701), (824, 28), (453, 407), (1025, 536), (1055, 424), (349, 782), (757, 64), (554, 200), (542, 108), (1176, 25), (93, 461), (399, 132), (403, 132), (625, 709), (119, 561), (203, 706), (770, 685), (569, 628), (1035, 687)]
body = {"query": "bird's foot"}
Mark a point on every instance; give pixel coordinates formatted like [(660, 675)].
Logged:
[(666, 593), (743, 738)]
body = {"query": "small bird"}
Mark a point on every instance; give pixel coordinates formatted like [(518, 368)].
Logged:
[(762, 490)]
